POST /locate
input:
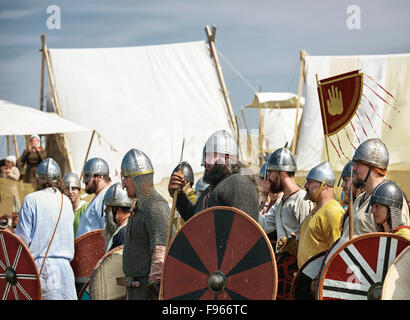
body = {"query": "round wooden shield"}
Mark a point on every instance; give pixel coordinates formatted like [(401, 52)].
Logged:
[(19, 278), (396, 285), (103, 280), (220, 254), (88, 249), (300, 289), (356, 270)]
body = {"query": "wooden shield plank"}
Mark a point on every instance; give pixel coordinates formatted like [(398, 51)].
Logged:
[(220, 253), (357, 269), (88, 249), (103, 283), (19, 279), (396, 285), (300, 289)]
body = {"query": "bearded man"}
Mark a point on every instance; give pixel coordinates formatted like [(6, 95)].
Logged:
[(286, 215), (97, 180), (229, 183)]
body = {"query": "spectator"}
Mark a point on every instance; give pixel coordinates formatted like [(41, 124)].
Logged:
[(32, 156), (10, 171)]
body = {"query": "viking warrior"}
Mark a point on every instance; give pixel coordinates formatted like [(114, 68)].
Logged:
[(346, 180), (267, 198), (72, 189), (188, 173), (228, 184), (117, 211), (286, 215), (97, 180), (321, 228), (45, 225), (370, 162), (145, 242), (386, 204)]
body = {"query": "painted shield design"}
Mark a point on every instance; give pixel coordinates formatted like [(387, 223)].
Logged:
[(103, 283), (396, 285), (357, 269), (301, 284), (19, 278), (88, 248), (220, 254)]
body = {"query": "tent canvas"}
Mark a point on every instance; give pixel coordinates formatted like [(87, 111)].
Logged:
[(277, 119), (21, 120), (147, 97), (392, 72)]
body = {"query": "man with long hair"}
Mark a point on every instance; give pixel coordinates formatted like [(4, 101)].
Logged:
[(44, 213)]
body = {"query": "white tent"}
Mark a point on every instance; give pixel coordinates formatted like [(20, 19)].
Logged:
[(148, 97), (277, 118), (21, 120), (392, 72)]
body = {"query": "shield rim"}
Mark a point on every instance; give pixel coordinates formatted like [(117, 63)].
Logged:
[(85, 286), (31, 260), (98, 264), (297, 276), (244, 214), (398, 258), (346, 244)]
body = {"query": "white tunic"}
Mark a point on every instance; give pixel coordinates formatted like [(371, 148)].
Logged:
[(37, 219), (93, 217), (287, 216)]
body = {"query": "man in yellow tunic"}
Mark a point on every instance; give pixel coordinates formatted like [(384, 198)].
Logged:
[(321, 228)]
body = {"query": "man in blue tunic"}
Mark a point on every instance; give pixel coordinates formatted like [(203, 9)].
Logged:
[(97, 181), (42, 212)]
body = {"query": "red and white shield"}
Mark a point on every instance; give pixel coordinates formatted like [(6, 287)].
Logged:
[(357, 269), (19, 278)]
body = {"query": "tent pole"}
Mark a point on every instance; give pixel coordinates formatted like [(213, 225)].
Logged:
[(42, 50), (8, 145), (88, 151), (211, 41), (15, 146), (56, 98), (301, 77)]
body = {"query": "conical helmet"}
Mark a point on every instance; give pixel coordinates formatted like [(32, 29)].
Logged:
[(222, 142), (346, 172), (372, 152), (186, 171), (390, 195), (71, 180), (48, 169), (322, 173), (262, 171), (281, 160), (117, 196), (95, 166), (135, 163)]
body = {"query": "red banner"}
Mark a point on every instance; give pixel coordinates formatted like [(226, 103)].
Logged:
[(339, 98)]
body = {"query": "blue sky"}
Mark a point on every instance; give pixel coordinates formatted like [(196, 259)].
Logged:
[(261, 38)]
